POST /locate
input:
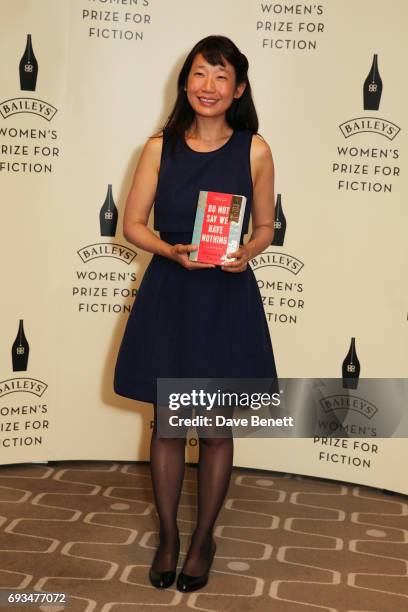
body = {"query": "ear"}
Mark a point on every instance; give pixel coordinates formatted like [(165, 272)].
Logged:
[(240, 90)]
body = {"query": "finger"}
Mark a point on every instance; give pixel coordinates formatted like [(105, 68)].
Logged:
[(184, 258), (235, 253), (229, 269), (233, 264), (237, 263), (185, 248), (195, 264), (232, 258), (200, 264)]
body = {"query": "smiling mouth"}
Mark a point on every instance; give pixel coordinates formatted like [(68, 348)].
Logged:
[(207, 101)]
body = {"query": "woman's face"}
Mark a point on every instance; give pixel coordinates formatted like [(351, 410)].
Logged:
[(212, 89)]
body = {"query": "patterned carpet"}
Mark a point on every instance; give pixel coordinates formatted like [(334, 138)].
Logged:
[(285, 543)]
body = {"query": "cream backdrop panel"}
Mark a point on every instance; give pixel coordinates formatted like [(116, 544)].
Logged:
[(32, 213), (111, 75)]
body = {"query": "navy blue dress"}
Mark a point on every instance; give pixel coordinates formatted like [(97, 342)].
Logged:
[(205, 323)]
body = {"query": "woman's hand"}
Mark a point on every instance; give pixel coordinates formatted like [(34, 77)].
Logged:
[(179, 253), (242, 256)]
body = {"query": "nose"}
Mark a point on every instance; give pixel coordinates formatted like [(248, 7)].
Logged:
[(208, 84)]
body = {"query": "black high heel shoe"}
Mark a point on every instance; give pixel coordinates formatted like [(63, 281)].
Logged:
[(162, 580), (187, 583)]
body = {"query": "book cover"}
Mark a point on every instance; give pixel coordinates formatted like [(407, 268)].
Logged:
[(217, 226)]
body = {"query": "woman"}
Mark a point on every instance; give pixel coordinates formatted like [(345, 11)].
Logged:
[(190, 319)]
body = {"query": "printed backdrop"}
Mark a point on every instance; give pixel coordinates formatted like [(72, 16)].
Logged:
[(83, 84)]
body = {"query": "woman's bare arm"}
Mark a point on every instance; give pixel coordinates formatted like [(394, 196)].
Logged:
[(263, 203), (139, 204), (263, 206), (140, 201)]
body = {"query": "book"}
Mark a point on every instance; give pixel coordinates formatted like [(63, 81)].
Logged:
[(217, 227)]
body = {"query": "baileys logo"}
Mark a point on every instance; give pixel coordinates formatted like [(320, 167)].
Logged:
[(277, 258), (369, 124), (103, 283), (19, 357), (332, 403), (108, 219), (372, 92), (282, 298), (28, 73), (280, 260)]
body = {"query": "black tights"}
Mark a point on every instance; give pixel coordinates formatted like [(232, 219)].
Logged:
[(167, 460)]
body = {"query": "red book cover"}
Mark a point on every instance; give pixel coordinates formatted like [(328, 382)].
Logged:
[(217, 227)]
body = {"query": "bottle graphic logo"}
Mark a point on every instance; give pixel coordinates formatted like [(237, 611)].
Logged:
[(372, 88), (20, 350), (108, 215), (28, 71), (28, 68), (108, 220), (351, 368), (279, 224), (372, 91)]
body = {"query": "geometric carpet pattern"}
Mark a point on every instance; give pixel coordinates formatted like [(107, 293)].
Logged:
[(285, 543)]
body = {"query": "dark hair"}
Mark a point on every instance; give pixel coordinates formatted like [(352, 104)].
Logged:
[(240, 115)]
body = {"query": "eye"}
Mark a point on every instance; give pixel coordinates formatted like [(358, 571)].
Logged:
[(222, 77), (198, 74)]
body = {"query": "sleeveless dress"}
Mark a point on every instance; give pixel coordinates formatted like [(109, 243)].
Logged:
[(204, 323)]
